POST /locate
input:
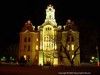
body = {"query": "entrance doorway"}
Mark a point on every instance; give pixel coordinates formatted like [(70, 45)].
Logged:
[(48, 62)]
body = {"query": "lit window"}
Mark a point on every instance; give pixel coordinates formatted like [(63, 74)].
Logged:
[(55, 46), (72, 56), (72, 47), (68, 47), (36, 47), (37, 40), (25, 57)]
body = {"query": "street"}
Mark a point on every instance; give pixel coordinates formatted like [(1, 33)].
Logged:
[(47, 70)]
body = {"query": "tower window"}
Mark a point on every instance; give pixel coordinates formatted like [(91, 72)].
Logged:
[(50, 16), (50, 9), (28, 27), (46, 28)]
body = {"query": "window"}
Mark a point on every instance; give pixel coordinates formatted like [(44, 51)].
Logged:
[(72, 46), (28, 47), (29, 39), (72, 56), (36, 47), (55, 54), (61, 58), (37, 40), (70, 38), (44, 38), (68, 47), (46, 28), (25, 39), (24, 47), (27, 27)]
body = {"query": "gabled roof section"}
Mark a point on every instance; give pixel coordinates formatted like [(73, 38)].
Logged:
[(28, 26), (70, 25), (48, 23)]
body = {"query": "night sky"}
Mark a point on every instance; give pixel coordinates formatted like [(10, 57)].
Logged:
[(14, 14)]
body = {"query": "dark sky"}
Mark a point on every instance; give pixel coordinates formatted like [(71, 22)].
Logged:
[(14, 13)]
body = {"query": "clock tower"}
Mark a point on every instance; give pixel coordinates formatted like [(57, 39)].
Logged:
[(50, 13)]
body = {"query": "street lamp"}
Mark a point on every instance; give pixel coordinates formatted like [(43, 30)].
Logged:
[(92, 57)]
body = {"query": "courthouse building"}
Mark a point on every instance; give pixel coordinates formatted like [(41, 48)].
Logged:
[(44, 45)]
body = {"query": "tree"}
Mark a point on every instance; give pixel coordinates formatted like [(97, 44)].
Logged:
[(22, 61), (12, 51), (68, 41), (71, 60)]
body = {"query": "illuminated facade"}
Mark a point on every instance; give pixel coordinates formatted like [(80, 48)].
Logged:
[(42, 46)]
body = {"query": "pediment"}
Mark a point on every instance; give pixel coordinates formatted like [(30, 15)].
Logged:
[(48, 23)]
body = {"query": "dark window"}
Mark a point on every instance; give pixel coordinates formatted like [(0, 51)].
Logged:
[(70, 38), (28, 27), (61, 58), (25, 39), (28, 47), (24, 47), (48, 28), (29, 39)]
